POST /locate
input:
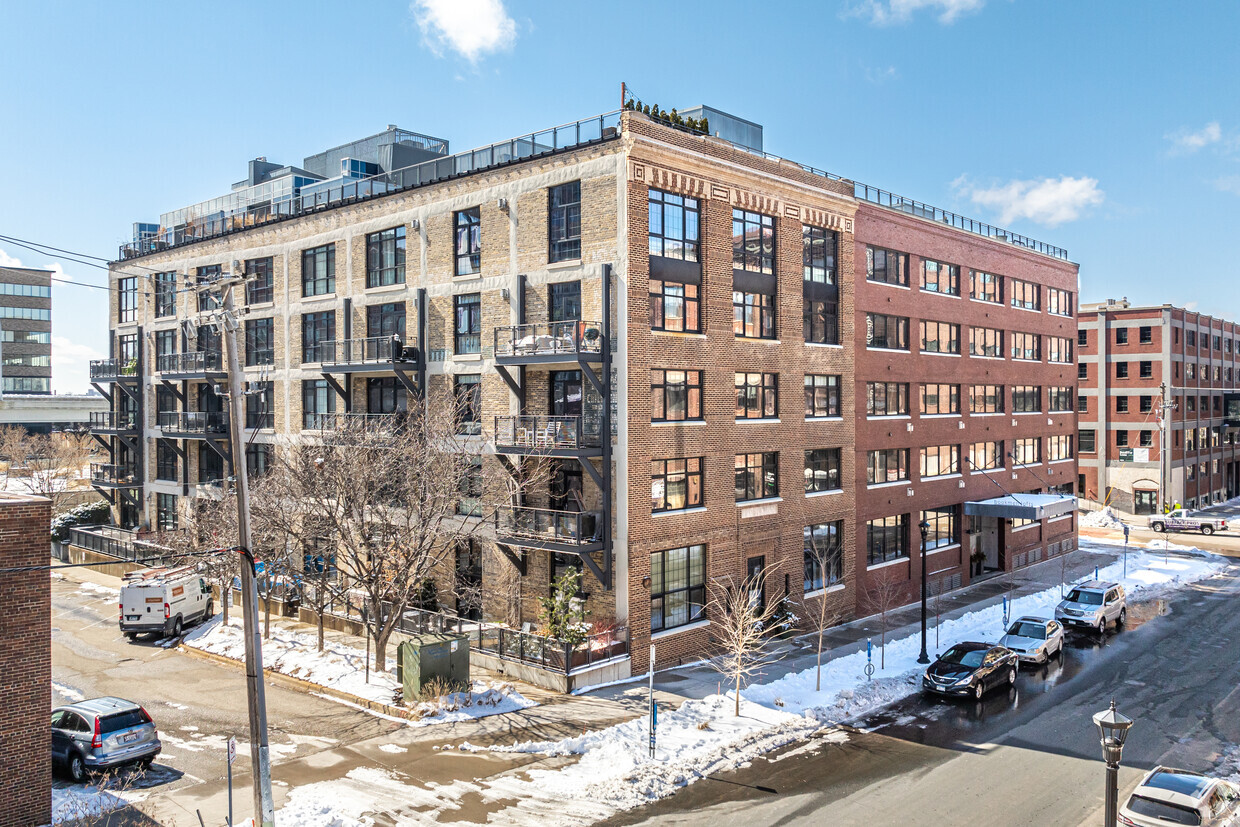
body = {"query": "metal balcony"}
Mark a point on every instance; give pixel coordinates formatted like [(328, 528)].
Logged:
[(193, 424), (110, 475), (550, 530), (198, 364), (117, 542), (372, 354), (557, 436), (377, 422), (114, 370), (549, 343), (111, 422)]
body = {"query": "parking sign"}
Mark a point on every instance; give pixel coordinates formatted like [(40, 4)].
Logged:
[(232, 750)]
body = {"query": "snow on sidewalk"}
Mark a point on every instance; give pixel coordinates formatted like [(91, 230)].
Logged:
[(343, 668), (1106, 518)]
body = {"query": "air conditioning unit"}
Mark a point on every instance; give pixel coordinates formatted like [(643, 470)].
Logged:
[(415, 224)]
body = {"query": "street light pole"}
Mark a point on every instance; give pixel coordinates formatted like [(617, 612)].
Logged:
[(924, 657), (1113, 729)]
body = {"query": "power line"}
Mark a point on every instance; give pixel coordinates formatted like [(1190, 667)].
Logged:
[(26, 241)]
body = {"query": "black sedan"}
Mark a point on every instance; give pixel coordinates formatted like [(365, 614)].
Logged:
[(970, 669)]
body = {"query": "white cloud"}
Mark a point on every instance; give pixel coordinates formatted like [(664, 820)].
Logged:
[(70, 365), (7, 260), (889, 12), (473, 28), (1049, 201), (1186, 141), (879, 76), (1228, 183)]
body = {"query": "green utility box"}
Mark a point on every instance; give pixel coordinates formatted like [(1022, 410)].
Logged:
[(423, 658)]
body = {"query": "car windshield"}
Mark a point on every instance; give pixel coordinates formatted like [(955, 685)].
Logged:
[(1088, 598), (1162, 811), (1037, 631), (964, 657), (123, 720)]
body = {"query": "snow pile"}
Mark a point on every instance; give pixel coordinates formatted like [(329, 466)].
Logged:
[(70, 804), (346, 802), (1106, 518), (484, 698)]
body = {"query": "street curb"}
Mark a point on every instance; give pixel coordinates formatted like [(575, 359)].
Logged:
[(290, 682)]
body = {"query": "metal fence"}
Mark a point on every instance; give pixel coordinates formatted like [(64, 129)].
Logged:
[(114, 542), (197, 361), (549, 339)]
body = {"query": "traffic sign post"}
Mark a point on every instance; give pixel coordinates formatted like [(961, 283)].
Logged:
[(232, 756), (1125, 551), (654, 709)]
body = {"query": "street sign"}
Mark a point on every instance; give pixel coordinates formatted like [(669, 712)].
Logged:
[(232, 750), (1125, 455)]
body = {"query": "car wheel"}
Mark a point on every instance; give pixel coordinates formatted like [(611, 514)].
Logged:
[(145, 763), (1207, 529), (1158, 526), (176, 627), (1012, 677), (210, 613), (1102, 627), (77, 768), (131, 635), (978, 691)]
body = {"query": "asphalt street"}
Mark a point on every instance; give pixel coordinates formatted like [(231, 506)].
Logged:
[(1028, 756)]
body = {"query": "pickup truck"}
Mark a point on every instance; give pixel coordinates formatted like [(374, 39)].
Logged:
[(1183, 520)]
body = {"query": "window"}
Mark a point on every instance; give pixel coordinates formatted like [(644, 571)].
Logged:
[(886, 398), (165, 294), (468, 242), (1024, 294), (986, 341), (385, 320), (940, 399), (385, 257), (1082, 338), (1059, 349), (1190, 338), (985, 399), (1121, 404), (821, 321), (886, 331), (165, 400), (30, 291), (940, 460), (165, 460), (674, 226), (757, 476), (1145, 335), (1082, 371), (677, 587), (1190, 440), (818, 254), (1146, 404), (1146, 439), (1059, 399), (822, 395), (940, 278), (467, 388), (386, 395), (318, 404), (1082, 404), (675, 484), (753, 315), (1026, 399), (207, 275), (317, 331), (886, 266), (1058, 302), (39, 315), (824, 555), (564, 222), (822, 470), (1026, 346), (1191, 403), (260, 342), (943, 523), (259, 284), (985, 456), (1121, 370), (1146, 370), (318, 271), (468, 322), (127, 298), (1190, 370), (1121, 336), (469, 487), (1059, 446), (166, 512), (985, 287), (1087, 439), (675, 307), (260, 407), (753, 242), (210, 464), (1029, 450), (675, 395), (940, 337), (757, 395), (257, 459), (28, 337), (26, 384), (889, 465), (165, 345), (564, 301), (1218, 342), (886, 539)]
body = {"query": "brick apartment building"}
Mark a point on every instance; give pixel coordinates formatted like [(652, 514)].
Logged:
[(25, 330), (658, 310), (1133, 362)]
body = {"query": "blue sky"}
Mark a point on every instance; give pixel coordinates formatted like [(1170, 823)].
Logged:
[(1108, 128)]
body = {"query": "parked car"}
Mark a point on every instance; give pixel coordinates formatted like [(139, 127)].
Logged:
[(1169, 796), (1092, 605), (162, 600), (1034, 639), (1184, 520), (970, 669), (102, 733)]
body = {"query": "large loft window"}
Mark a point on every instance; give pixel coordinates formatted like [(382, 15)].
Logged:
[(940, 337), (886, 266), (675, 307), (824, 555), (888, 332), (818, 248), (985, 399), (985, 287), (675, 395), (822, 395), (886, 539), (753, 242), (468, 242), (127, 299), (385, 257), (564, 222), (938, 399), (468, 322), (986, 341), (757, 476), (165, 294), (260, 407), (821, 321), (944, 525), (318, 404), (207, 275), (937, 277), (886, 398), (259, 283), (1059, 303), (260, 342), (317, 329), (985, 456), (675, 484), (674, 226), (318, 271), (887, 465), (757, 396), (822, 470), (677, 587), (940, 461), (1026, 346), (1026, 399), (1025, 294), (753, 315), (386, 320)]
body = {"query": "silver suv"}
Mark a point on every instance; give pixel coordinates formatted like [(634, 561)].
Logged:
[(1092, 605), (102, 733)]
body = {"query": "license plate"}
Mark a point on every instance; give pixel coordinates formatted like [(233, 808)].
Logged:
[(133, 617), (130, 737)]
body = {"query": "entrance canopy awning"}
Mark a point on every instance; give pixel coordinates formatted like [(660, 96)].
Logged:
[(1023, 506)]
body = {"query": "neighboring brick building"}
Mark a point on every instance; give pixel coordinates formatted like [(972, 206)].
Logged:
[(1141, 360), (25, 663), (704, 304), (26, 325)]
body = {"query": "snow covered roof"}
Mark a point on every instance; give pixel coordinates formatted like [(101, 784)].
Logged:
[(1023, 506)]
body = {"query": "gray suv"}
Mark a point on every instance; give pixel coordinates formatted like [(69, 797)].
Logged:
[(1092, 605), (102, 733)]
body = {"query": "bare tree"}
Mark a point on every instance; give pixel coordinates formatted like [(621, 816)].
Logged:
[(936, 601), (14, 448), (504, 582), (1063, 570), (825, 556), (211, 526), (740, 631), (56, 462), (884, 594)]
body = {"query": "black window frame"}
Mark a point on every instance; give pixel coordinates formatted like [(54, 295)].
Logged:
[(167, 462), (260, 341), (1087, 445), (758, 259), (756, 476), (944, 527), (689, 591), (207, 275), (757, 395), (832, 534), (664, 293), (1059, 399), (744, 305), (823, 470), (1021, 445), (1021, 344), (685, 246), (936, 453), (467, 242), (165, 294), (312, 390), (467, 393), (820, 319), (987, 391), (991, 453), (819, 247), (1121, 335), (165, 512), (313, 282), (984, 280), (127, 299), (564, 222), (385, 257), (467, 323), (1025, 295), (664, 394), (898, 390), (882, 274), (940, 270), (260, 405), (925, 395), (986, 343), (260, 280), (826, 391), (564, 301), (953, 336), (1026, 399), (316, 329), (875, 321), (680, 474), (880, 463), (886, 539)]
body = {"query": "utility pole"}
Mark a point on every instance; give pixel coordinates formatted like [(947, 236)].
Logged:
[(1164, 462), (260, 757)]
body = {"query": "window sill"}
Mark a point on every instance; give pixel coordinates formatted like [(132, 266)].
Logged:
[(1027, 310), (942, 548), (1022, 359), (987, 358), (987, 470), (761, 339), (752, 503), (261, 306), (876, 485), (325, 297), (1026, 413), (763, 421), (889, 284), (838, 587), (938, 353), (697, 509), (942, 477), (677, 334), (926, 292), (1062, 461), (688, 627), (387, 288), (824, 344), (985, 301), (981, 415), (468, 277), (886, 564), (940, 416), (873, 418), (1034, 524), (810, 494), (567, 264), (889, 349), (666, 423), (825, 418), (467, 357)]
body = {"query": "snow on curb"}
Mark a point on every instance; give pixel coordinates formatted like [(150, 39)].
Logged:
[(1106, 518)]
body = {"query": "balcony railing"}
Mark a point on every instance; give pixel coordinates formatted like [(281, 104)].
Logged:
[(543, 433), (113, 421), (193, 422), (369, 351), (113, 474), (115, 542), (556, 139), (383, 422), (544, 525), (106, 370), (549, 339), (198, 361)]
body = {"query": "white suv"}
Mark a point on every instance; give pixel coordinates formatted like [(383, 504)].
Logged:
[(1092, 605), (1171, 797)]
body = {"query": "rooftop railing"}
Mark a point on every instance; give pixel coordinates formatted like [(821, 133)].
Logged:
[(549, 339), (115, 542)]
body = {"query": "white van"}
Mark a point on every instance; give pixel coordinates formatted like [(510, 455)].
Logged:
[(163, 600)]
